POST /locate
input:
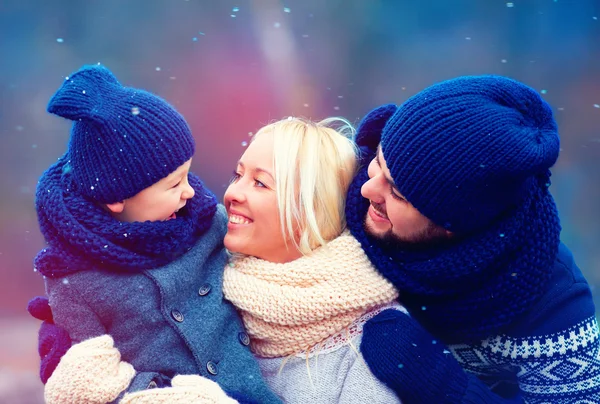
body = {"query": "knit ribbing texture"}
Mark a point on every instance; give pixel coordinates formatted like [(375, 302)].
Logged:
[(83, 236), (290, 307), (123, 139), (479, 285)]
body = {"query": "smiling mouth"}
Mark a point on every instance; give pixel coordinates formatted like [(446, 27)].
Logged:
[(237, 219), (378, 212), (174, 214)]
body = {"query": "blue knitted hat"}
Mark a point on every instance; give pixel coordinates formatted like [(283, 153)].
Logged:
[(465, 151), (123, 139)]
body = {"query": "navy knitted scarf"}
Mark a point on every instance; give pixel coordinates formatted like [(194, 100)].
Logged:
[(476, 287), (83, 236)]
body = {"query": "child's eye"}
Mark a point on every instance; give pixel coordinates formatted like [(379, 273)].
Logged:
[(259, 184), (176, 185)]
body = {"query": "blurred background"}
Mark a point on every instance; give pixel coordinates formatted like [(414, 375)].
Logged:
[(232, 66)]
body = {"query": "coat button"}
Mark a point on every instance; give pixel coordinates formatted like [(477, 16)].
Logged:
[(177, 316), (244, 338), (212, 368), (204, 289)]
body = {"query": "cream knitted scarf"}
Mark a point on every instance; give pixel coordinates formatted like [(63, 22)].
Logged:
[(291, 307)]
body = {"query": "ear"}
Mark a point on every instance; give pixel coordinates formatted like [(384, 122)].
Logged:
[(116, 207)]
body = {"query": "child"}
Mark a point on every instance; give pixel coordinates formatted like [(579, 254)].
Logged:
[(135, 246)]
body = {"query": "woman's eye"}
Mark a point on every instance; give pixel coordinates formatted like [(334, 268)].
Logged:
[(234, 177)]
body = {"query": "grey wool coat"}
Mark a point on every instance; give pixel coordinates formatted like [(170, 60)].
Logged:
[(166, 321)]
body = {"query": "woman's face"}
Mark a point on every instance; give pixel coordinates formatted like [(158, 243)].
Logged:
[(254, 226)]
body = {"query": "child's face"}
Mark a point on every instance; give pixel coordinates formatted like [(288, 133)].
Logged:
[(254, 226), (159, 201)]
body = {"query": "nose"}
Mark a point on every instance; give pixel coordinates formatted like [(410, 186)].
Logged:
[(371, 189), (234, 193), (188, 192)]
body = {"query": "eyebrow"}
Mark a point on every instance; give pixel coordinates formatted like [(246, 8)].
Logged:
[(259, 170), (389, 179)]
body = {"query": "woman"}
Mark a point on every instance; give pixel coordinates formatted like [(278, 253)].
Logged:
[(302, 284), (304, 287)]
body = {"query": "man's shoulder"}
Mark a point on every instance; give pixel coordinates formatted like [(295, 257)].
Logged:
[(565, 276), (567, 301), (565, 263)]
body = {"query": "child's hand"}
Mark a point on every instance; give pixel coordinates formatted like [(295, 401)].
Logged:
[(90, 372), (186, 389), (53, 341)]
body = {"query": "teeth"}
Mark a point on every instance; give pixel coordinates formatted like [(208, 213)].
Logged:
[(379, 213), (238, 219)]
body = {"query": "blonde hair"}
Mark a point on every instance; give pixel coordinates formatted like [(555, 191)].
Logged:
[(314, 163)]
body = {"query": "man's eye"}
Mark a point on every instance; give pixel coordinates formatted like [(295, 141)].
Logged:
[(395, 195)]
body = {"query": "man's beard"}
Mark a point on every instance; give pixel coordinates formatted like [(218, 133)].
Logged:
[(431, 237)]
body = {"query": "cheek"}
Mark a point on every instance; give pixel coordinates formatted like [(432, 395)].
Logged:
[(406, 218), (164, 200), (399, 215), (270, 218), (271, 214)]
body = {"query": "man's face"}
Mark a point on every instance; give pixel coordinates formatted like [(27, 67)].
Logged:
[(391, 217)]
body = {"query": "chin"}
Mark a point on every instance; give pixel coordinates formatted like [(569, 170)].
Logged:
[(372, 231), (227, 242), (232, 246)]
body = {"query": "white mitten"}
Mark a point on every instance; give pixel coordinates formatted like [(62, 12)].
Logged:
[(185, 389), (90, 372)]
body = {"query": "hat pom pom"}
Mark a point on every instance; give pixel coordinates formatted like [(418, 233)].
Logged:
[(370, 128), (80, 93)]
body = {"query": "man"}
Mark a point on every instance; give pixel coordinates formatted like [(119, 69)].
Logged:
[(452, 206)]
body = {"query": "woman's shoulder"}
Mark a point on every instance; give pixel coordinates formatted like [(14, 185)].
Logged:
[(351, 336)]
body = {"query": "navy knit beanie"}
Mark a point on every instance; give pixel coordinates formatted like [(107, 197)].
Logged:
[(464, 151), (123, 139)]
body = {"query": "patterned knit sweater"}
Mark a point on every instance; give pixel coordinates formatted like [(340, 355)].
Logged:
[(551, 355)]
